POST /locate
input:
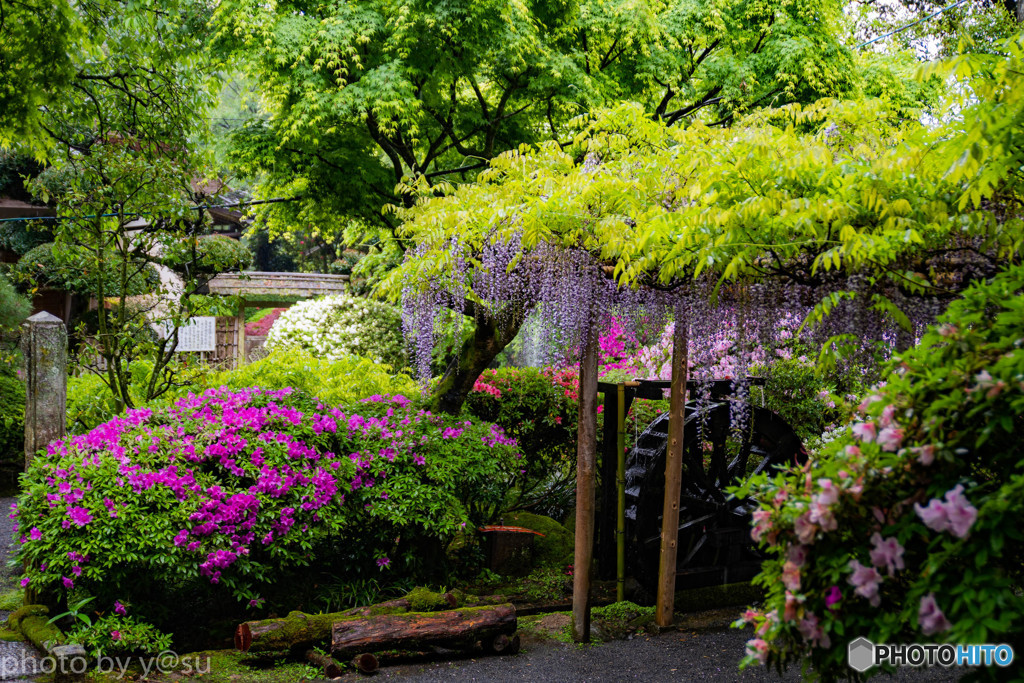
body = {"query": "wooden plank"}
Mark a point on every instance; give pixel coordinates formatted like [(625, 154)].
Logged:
[(254, 284)]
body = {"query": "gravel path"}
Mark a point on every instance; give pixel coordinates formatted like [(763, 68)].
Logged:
[(706, 655), (15, 658)]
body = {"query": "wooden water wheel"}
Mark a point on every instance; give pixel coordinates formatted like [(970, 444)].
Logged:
[(714, 528)]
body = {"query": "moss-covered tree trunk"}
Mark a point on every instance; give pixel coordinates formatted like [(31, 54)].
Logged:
[(490, 337)]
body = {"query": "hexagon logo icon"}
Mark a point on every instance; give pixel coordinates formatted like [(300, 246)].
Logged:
[(861, 654)]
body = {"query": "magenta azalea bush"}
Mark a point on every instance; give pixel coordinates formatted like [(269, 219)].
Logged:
[(227, 492), (907, 529)]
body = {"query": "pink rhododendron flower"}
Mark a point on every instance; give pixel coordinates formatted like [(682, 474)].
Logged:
[(35, 534), (865, 431), (890, 439), (797, 554), (865, 580), (853, 451), (887, 553), (115, 636), (758, 648), (120, 608), (811, 630), (930, 617), (791, 576)]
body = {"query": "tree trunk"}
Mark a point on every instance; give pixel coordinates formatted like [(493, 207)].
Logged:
[(416, 630), (586, 457), (298, 630), (489, 339)]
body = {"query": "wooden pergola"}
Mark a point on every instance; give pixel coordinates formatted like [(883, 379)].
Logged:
[(256, 289)]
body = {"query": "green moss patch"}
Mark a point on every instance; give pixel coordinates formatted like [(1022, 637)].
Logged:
[(621, 620), (10, 636), (557, 545), (12, 600)]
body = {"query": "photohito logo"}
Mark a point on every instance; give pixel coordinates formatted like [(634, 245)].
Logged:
[(862, 654)]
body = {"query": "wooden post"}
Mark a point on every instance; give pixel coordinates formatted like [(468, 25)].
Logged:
[(586, 459), (240, 355), (620, 498), (673, 474), (44, 345)]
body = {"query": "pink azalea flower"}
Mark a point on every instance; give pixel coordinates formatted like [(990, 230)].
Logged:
[(960, 512), (890, 439), (853, 451), (805, 530), (865, 580), (925, 454), (797, 554), (886, 418), (930, 617), (762, 524), (119, 608), (822, 515), (865, 431), (758, 648), (956, 515), (887, 553), (791, 576), (832, 596), (35, 534), (115, 636), (811, 630), (829, 492), (792, 602), (383, 562)]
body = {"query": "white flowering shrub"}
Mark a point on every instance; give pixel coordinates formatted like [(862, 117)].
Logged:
[(337, 326)]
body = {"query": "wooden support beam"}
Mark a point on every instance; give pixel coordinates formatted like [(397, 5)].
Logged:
[(586, 457), (673, 473)]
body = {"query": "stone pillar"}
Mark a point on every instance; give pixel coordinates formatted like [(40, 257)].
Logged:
[(44, 344)]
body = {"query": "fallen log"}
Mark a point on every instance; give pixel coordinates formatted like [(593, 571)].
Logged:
[(417, 630), (298, 631), (366, 663), (326, 664)]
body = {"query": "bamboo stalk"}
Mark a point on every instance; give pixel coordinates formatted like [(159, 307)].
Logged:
[(673, 474), (586, 450), (620, 480)]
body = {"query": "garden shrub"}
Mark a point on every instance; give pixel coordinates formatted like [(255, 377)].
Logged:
[(68, 267), (907, 527), (336, 382), (213, 254), (12, 419), (794, 390), (225, 496), (538, 408), (341, 325)]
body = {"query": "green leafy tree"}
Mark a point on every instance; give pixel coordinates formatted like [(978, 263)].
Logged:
[(366, 97), (812, 195)]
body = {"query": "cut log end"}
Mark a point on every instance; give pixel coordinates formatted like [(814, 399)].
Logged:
[(366, 663), (243, 637), (326, 663), (502, 644)]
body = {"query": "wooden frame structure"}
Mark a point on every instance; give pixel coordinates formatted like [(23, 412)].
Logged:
[(258, 289)]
